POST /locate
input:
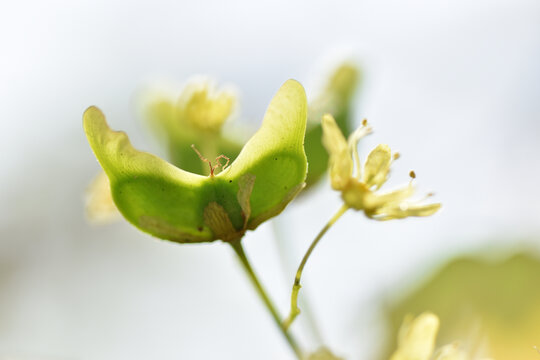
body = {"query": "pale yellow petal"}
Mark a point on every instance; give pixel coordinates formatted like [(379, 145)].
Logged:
[(416, 338), (421, 210), (340, 161), (389, 199), (358, 134), (377, 166), (406, 209), (450, 352), (100, 207)]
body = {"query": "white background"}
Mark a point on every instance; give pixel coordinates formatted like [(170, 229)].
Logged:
[(453, 85)]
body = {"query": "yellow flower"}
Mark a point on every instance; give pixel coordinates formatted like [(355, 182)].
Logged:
[(360, 191), (205, 108), (416, 337), (416, 341)]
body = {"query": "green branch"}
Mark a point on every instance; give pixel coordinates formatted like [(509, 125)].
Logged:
[(237, 246)]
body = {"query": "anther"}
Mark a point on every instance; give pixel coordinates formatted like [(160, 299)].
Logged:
[(364, 122), (396, 155), (412, 174)]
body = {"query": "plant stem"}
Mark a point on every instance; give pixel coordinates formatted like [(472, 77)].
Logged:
[(286, 263), (239, 250), (296, 286)]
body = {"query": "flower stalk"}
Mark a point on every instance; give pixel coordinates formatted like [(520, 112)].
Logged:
[(239, 250), (295, 310)]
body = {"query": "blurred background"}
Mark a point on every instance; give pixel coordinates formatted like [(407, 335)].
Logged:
[(454, 86)]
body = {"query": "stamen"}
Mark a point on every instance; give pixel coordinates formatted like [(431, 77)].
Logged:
[(212, 167), (203, 159), (198, 153), (395, 156), (356, 159), (218, 163), (359, 133), (427, 196)]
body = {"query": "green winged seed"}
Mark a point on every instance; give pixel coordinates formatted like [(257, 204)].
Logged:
[(180, 206)]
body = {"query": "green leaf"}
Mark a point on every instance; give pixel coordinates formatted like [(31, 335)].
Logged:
[(177, 205)]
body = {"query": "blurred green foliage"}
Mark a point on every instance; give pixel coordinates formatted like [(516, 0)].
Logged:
[(335, 99), (489, 305)]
